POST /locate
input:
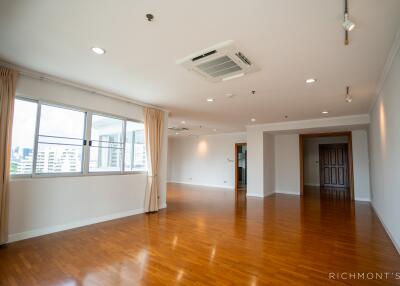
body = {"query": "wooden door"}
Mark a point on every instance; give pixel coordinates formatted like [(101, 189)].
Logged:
[(333, 160), (239, 174)]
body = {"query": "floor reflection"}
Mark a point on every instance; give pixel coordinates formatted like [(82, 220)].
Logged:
[(207, 236)]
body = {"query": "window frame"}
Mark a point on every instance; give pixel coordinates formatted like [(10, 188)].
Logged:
[(89, 133), (16, 176), (85, 147), (133, 148)]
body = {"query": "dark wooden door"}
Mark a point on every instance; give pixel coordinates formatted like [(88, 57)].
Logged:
[(333, 160)]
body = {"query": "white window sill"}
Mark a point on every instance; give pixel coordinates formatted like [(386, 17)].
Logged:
[(67, 175)]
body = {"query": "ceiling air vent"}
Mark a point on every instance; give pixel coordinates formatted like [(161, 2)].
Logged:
[(219, 63)]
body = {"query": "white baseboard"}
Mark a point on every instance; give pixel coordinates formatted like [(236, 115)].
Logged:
[(47, 230), (287, 192), (254, 195), (387, 230), (203, 185), (362, 199)]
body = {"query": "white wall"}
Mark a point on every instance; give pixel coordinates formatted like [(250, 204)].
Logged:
[(362, 190), (44, 205), (287, 164), (204, 160), (384, 139), (255, 163), (269, 164), (311, 157)]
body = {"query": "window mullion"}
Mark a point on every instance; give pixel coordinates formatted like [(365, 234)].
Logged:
[(36, 142), (123, 146), (86, 148), (133, 151)]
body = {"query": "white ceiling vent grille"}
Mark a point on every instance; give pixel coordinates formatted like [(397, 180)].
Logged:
[(219, 63)]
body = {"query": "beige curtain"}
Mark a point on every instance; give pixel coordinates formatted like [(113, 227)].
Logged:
[(153, 129), (8, 80)]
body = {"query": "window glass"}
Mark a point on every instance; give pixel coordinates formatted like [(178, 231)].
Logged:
[(60, 140), (23, 137), (115, 145), (106, 144), (135, 149)]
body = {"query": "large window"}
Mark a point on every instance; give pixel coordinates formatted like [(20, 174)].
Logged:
[(23, 137), (68, 141)]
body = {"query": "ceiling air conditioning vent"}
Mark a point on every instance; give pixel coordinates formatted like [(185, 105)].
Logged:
[(219, 63)]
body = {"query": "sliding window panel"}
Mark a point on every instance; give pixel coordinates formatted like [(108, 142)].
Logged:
[(106, 144), (23, 137), (135, 149), (60, 140)]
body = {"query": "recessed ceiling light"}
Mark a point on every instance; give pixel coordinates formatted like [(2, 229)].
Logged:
[(176, 133), (325, 112), (183, 122), (215, 130), (311, 80), (210, 99), (253, 120), (98, 51), (233, 76)]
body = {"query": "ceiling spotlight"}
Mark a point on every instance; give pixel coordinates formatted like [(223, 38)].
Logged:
[(325, 112), (210, 99), (183, 122), (348, 96), (311, 80), (176, 133), (215, 130), (347, 24), (253, 120), (98, 51)]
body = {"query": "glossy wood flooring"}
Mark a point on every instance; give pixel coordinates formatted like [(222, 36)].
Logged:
[(211, 237)]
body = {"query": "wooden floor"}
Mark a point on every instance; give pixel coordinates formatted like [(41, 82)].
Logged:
[(210, 237)]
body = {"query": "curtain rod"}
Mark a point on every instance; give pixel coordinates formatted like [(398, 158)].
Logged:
[(45, 77)]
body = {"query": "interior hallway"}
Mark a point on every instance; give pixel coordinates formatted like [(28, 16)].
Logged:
[(211, 237)]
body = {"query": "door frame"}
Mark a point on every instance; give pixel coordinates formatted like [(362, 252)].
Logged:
[(237, 145), (349, 157)]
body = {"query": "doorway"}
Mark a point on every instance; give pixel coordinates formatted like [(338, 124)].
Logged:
[(240, 167), (326, 163)]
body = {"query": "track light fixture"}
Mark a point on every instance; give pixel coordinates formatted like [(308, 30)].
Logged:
[(347, 24), (348, 96)]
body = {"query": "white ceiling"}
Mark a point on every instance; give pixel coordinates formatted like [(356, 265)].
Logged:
[(290, 40)]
